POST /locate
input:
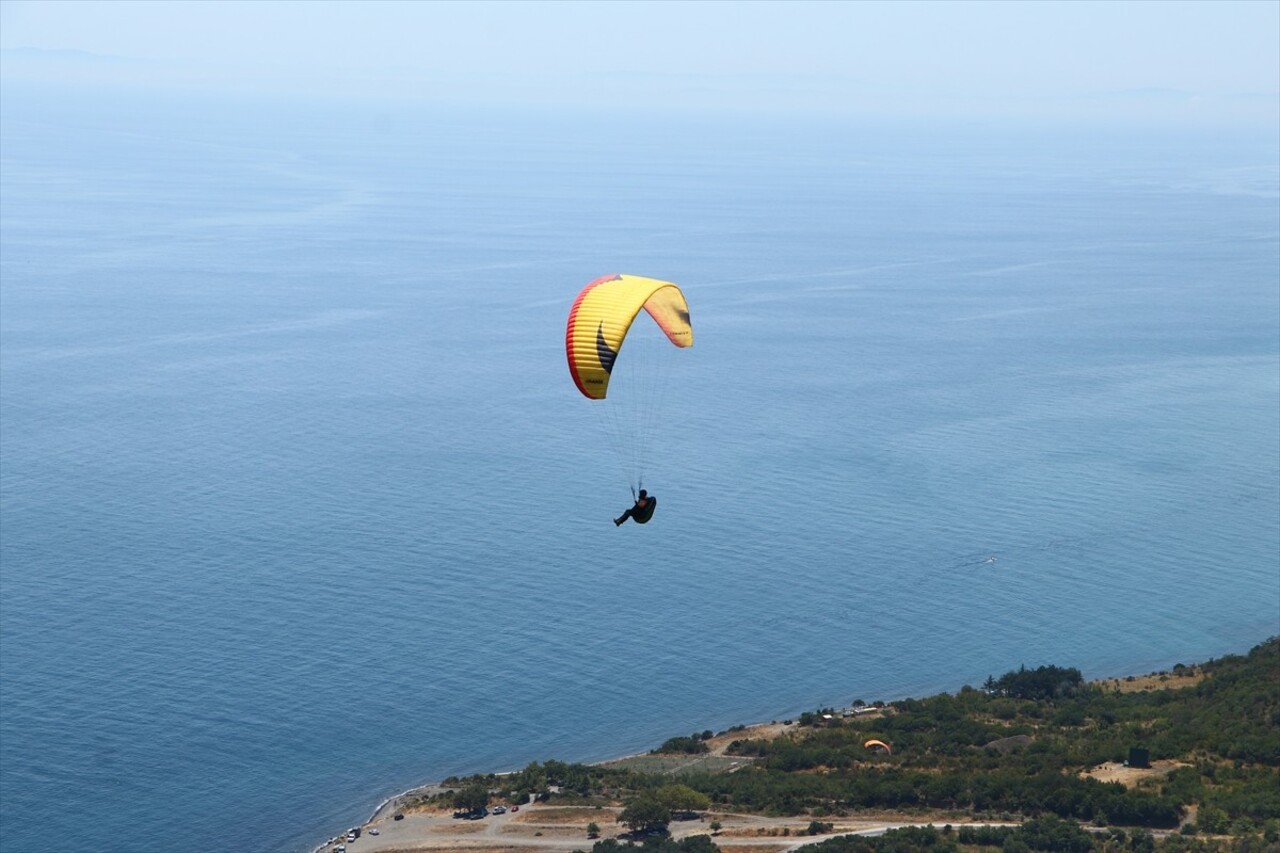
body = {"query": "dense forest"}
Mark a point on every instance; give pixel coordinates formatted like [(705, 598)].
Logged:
[(1015, 750)]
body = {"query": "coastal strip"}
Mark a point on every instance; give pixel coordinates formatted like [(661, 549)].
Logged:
[(401, 823)]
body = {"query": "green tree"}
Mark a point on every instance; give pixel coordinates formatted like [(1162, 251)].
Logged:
[(817, 827), (471, 798), (1045, 682), (645, 813), (682, 798), (692, 745), (1213, 821), (531, 780)]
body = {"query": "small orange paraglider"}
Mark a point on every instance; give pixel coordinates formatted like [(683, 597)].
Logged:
[(878, 744)]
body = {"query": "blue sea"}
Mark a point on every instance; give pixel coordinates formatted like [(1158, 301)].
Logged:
[(301, 507)]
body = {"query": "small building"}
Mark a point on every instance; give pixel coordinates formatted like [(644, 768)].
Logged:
[(1139, 757)]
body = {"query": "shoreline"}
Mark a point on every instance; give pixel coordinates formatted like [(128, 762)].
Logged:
[(432, 788), (387, 806), (1154, 679)]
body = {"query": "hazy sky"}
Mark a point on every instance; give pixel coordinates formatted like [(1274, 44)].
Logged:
[(1198, 61)]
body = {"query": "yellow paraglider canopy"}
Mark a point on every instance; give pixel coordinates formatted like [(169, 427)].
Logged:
[(602, 315)]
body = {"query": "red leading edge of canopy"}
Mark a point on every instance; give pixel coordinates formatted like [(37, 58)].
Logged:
[(568, 332)]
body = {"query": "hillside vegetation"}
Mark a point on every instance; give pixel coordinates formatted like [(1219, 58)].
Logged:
[(1025, 748)]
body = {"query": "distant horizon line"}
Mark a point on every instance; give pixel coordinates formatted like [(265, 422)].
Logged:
[(783, 94)]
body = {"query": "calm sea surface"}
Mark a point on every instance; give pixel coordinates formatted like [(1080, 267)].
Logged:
[(301, 508)]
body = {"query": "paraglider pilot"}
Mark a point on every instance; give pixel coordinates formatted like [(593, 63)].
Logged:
[(641, 512)]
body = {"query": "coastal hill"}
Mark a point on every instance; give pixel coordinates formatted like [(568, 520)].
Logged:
[(1182, 760)]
